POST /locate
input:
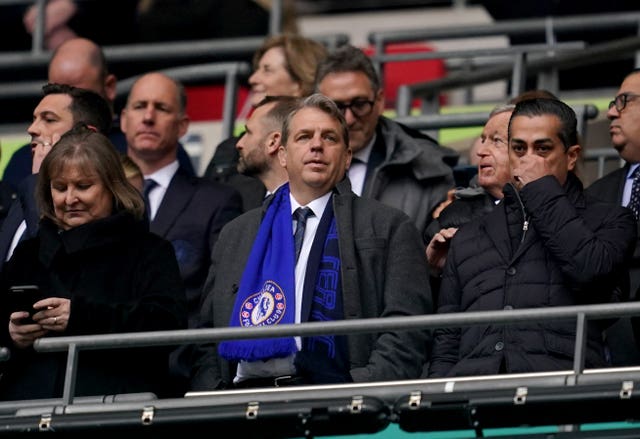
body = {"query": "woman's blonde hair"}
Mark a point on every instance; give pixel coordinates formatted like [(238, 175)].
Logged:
[(93, 153), (302, 56)]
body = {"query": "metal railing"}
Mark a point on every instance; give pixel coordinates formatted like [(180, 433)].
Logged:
[(430, 122), (229, 72), (512, 55), (37, 45), (548, 27), (166, 338), (475, 403), (429, 91)]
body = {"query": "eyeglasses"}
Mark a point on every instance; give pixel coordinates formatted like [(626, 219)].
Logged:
[(359, 107), (621, 100)]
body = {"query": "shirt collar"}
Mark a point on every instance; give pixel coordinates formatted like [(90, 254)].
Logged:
[(364, 154), (164, 175), (317, 206)]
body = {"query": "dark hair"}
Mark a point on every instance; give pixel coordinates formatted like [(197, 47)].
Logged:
[(301, 56), (94, 153), (568, 133), (86, 106), (348, 58), (278, 114), (533, 94), (322, 103)]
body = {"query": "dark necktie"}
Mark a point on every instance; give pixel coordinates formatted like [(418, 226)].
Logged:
[(300, 215), (634, 202), (149, 184)]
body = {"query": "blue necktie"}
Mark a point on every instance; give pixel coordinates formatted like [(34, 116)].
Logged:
[(634, 202), (300, 215), (149, 184)]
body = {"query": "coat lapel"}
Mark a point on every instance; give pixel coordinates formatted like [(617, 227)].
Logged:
[(176, 199)]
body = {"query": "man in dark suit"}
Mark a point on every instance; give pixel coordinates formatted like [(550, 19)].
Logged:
[(81, 63), (59, 110), (616, 187), (186, 210)]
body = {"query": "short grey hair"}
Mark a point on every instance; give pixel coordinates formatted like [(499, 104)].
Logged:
[(322, 103)]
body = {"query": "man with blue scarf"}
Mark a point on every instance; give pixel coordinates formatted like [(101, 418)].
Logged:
[(358, 259)]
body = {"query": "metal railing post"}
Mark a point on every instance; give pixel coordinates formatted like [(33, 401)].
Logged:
[(37, 41), (275, 17), (230, 103), (70, 374)]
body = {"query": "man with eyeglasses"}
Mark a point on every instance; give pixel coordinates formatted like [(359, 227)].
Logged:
[(394, 164), (617, 187)]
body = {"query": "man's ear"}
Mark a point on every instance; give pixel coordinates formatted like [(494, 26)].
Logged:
[(379, 102), (273, 142), (573, 154), (282, 156), (110, 87), (183, 125), (123, 120)]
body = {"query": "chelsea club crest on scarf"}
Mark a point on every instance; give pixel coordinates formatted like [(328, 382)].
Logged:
[(266, 307)]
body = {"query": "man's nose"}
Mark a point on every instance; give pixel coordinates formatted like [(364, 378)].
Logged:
[(316, 141), (149, 113), (33, 130), (613, 113), (349, 117)]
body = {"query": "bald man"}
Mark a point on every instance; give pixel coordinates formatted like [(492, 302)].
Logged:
[(188, 211), (81, 63)]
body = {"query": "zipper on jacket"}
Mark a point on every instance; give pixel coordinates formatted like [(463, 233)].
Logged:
[(525, 224)]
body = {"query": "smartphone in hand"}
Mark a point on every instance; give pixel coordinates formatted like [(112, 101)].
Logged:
[(22, 298)]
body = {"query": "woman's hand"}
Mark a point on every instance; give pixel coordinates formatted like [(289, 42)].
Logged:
[(22, 332), (53, 313)]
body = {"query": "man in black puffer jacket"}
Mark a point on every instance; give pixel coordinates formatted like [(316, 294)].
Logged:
[(546, 244)]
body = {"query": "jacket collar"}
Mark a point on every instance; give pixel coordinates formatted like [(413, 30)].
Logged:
[(425, 158), (114, 228)]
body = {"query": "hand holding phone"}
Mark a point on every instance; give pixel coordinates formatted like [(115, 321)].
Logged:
[(22, 298)]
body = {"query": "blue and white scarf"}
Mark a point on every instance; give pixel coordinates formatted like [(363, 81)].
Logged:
[(266, 295)]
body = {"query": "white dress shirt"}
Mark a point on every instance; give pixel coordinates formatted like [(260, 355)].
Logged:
[(358, 170), (162, 177)]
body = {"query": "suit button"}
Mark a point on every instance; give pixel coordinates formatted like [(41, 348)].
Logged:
[(511, 271), (499, 346), (507, 307)]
